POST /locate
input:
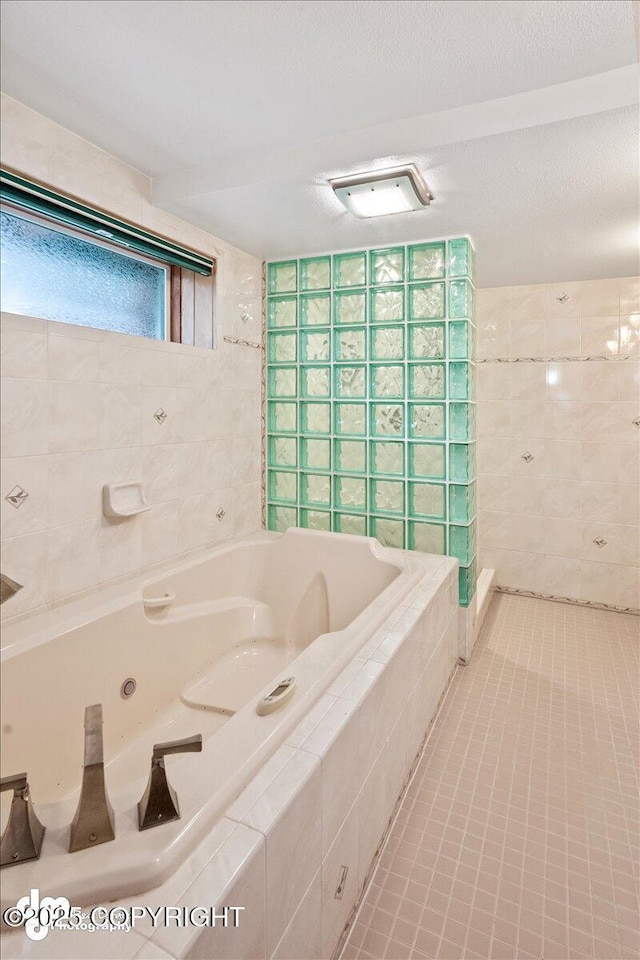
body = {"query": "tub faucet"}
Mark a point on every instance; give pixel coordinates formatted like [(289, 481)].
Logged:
[(23, 835), (160, 802), (8, 588), (93, 822)]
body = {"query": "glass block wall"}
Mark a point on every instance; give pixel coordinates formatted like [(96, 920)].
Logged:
[(370, 397)]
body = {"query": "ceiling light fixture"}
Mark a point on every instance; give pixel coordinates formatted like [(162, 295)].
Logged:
[(382, 192)]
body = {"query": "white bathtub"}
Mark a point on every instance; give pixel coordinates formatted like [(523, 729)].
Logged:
[(244, 616)]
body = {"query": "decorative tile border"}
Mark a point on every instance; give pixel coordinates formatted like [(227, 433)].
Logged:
[(555, 359), (532, 594), (242, 343)]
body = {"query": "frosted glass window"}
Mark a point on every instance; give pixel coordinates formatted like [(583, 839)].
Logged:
[(55, 275)]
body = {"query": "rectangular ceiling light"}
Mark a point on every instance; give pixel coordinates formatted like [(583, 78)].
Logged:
[(382, 192)]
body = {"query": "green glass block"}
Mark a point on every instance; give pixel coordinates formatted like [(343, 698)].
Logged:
[(350, 343), (389, 532), (283, 486), (388, 419), (461, 380), (315, 454), (427, 537), (427, 301), (283, 452), (462, 421), (387, 457), (283, 277), (346, 523), (460, 299), (462, 502), (462, 462), (315, 489), (387, 266), (459, 258), (350, 419), (282, 312), (315, 381), (315, 520), (387, 343), (350, 269), (281, 518), (467, 578), (350, 456), (315, 273), (387, 496), (426, 261), (427, 380), (350, 381), (282, 417), (282, 347), (282, 381), (462, 542), (426, 341), (315, 309), (315, 346), (387, 380), (350, 493), (315, 417), (387, 304), (427, 421), (427, 460), (427, 500), (460, 340), (350, 306)]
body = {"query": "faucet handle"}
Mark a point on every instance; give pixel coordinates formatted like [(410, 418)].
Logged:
[(159, 803), (188, 745), (23, 835)]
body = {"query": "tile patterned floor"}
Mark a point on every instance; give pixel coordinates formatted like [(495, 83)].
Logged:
[(518, 835)]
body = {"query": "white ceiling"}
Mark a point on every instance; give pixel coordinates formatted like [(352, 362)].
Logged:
[(519, 114)]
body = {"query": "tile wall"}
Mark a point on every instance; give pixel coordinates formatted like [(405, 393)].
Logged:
[(81, 407), (559, 438)]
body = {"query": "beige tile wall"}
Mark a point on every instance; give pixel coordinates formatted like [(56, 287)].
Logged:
[(573, 411), (78, 405)]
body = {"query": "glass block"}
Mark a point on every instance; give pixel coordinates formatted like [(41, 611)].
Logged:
[(387, 380), (281, 518), (426, 261), (351, 493), (427, 500), (426, 301), (462, 462), (462, 542), (427, 380), (350, 456), (282, 382), (350, 307), (315, 417), (387, 456), (283, 277), (283, 452), (386, 304), (283, 417), (315, 309), (459, 258), (315, 454), (387, 343), (282, 347), (315, 520), (349, 269), (350, 381), (387, 266), (460, 381), (315, 346), (350, 343), (387, 496), (346, 523), (388, 419), (462, 421), (315, 273), (462, 502), (460, 340), (315, 488), (426, 341), (467, 578), (427, 537), (283, 486), (460, 299), (315, 381), (427, 421), (283, 311), (350, 419), (389, 532), (427, 460)]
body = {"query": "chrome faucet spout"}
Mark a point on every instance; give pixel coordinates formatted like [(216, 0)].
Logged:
[(93, 822), (8, 588)]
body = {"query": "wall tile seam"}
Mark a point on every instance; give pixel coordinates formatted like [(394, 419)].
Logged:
[(596, 605)]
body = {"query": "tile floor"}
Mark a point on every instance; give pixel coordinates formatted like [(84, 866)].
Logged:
[(518, 835)]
